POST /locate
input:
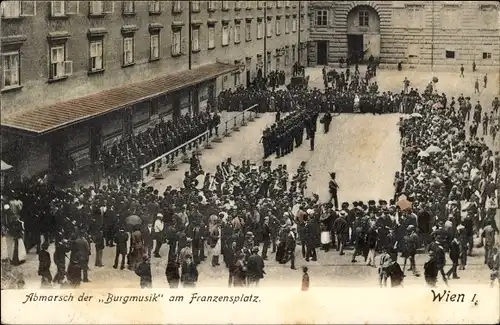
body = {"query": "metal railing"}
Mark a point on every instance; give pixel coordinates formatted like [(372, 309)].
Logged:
[(171, 158)]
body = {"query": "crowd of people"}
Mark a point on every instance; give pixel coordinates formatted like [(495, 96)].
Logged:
[(445, 193)]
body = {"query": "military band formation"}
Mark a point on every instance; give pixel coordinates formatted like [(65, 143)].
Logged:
[(441, 205)]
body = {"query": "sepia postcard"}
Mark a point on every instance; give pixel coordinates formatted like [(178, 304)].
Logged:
[(250, 162)]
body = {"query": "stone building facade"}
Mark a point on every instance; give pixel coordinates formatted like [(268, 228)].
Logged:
[(58, 57), (417, 33)]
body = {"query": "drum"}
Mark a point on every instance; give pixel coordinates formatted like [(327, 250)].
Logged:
[(325, 237)]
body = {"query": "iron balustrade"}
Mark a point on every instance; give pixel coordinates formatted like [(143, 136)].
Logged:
[(240, 119)]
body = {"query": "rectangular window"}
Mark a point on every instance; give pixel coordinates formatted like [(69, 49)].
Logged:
[(302, 22), (57, 8), (211, 37), (486, 55), (269, 61), (195, 39), (177, 6), (287, 25), (101, 7), (212, 5), (154, 46), (294, 24), (225, 35), (279, 4), (321, 17), (195, 6), (489, 17), (269, 4), (176, 42), (96, 57), (225, 5), (269, 30), (16, 9), (450, 54), (59, 67), (450, 18), (128, 7), (11, 68), (260, 29), (128, 50), (415, 16), (260, 4), (293, 53), (287, 4), (287, 56), (237, 33), (363, 18), (154, 6), (248, 31), (278, 26)]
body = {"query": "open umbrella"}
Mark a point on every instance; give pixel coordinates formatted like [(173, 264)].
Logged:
[(423, 153), (5, 166), (404, 204), (433, 149), (437, 105), (133, 220), (416, 115)]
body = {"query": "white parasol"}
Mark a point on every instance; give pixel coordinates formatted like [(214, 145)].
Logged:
[(5, 166), (423, 153), (416, 115), (433, 149)]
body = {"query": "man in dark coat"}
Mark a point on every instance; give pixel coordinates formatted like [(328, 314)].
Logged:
[(332, 188), (99, 246), (310, 240), (44, 266), (121, 240), (255, 267), (143, 270), (80, 252), (454, 257), (189, 272), (148, 238), (291, 243), (266, 237), (341, 231)]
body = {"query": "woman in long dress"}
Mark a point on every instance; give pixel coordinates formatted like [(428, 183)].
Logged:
[(15, 242)]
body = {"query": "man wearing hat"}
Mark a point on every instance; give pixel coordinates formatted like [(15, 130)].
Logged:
[(410, 247), (385, 263), (158, 234), (291, 243), (143, 270), (255, 267), (189, 272), (341, 231), (332, 188), (121, 241)]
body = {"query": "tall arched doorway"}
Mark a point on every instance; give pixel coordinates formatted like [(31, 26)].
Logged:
[(363, 34)]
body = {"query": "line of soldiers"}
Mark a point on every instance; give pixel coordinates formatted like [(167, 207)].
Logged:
[(288, 133), (120, 162)]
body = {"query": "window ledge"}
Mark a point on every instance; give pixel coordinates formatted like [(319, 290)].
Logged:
[(248, 40), (128, 65), (13, 18), (98, 71), (155, 13), (237, 9), (259, 38), (269, 36), (196, 51), (249, 8), (488, 29), (195, 11), (211, 48), (176, 55), (62, 17), (176, 12), (225, 9), (211, 10), (11, 88), (224, 45), (128, 14), (237, 42), (52, 80), (97, 15)]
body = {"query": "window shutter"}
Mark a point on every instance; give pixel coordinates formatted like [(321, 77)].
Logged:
[(68, 68)]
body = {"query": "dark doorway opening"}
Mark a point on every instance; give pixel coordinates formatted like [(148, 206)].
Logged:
[(248, 79), (322, 52), (355, 51)]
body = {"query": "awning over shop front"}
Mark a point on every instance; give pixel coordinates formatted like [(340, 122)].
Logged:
[(45, 119)]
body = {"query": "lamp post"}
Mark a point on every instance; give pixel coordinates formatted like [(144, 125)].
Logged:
[(298, 37), (265, 40)]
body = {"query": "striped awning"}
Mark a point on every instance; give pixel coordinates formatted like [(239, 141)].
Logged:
[(60, 115)]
